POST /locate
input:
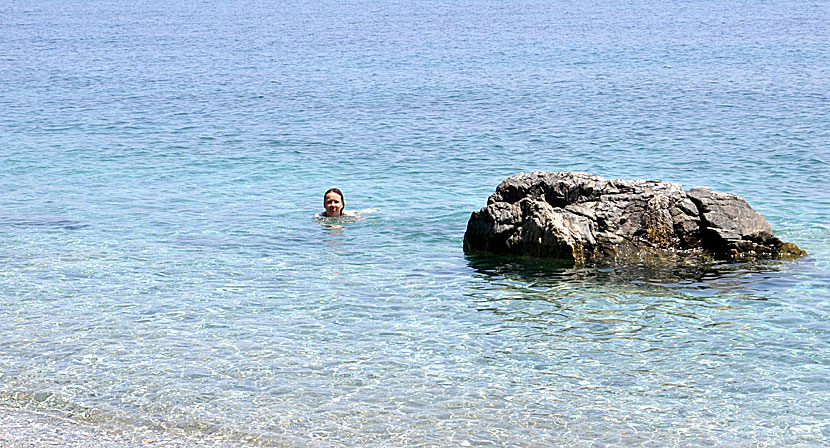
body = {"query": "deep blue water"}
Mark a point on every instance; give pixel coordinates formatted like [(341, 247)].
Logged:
[(159, 264)]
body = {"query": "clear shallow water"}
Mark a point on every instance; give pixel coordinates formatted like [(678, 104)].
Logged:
[(161, 267)]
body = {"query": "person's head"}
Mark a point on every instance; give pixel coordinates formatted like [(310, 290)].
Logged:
[(333, 202)]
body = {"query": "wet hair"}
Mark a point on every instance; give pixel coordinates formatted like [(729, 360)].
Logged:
[(342, 199)]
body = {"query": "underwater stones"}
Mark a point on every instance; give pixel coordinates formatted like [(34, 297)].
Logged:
[(580, 217)]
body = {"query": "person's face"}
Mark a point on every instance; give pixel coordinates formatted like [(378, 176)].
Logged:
[(333, 204)]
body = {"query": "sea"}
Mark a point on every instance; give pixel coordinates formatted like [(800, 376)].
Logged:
[(161, 268)]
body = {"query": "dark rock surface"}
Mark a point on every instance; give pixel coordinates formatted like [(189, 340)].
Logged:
[(580, 217)]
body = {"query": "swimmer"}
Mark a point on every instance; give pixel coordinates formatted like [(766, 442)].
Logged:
[(334, 204)]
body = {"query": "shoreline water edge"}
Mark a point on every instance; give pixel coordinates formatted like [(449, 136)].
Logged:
[(22, 428)]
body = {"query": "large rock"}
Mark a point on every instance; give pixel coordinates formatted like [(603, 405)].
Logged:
[(580, 217)]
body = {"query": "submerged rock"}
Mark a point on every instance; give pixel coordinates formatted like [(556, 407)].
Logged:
[(580, 217)]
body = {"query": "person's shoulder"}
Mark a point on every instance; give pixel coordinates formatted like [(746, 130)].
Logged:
[(343, 213)]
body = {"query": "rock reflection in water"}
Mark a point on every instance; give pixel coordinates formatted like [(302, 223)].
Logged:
[(761, 278)]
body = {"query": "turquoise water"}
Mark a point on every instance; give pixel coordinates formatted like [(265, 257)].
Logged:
[(161, 268)]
